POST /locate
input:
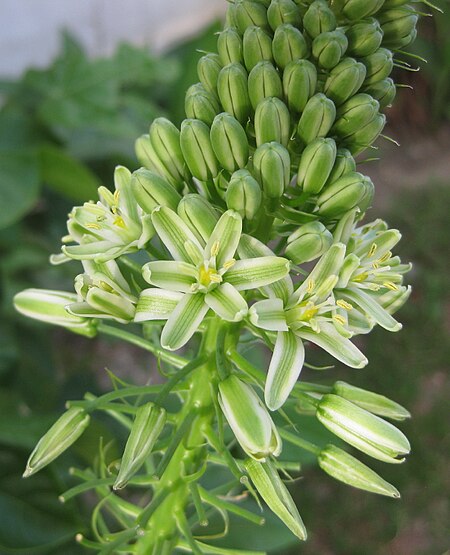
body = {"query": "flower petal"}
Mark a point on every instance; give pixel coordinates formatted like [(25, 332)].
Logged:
[(257, 272), (225, 237), (269, 315), (227, 302), (156, 304), (184, 321), (372, 307), (170, 274)]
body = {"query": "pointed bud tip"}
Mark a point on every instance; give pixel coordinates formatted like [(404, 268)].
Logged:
[(29, 471)]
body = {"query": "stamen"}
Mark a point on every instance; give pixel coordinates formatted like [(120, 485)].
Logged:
[(344, 304), (116, 196), (372, 250), (229, 264), (385, 257), (339, 319), (93, 226), (215, 278), (194, 287), (215, 249), (390, 285), (375, 264), (311, 285)]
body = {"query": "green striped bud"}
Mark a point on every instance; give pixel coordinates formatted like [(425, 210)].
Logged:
[(264, 81), (248, 13), (151, 190), (319, 19), (344, 80), (316, 163), (379, 65), (299, 84), (365, 136), (197, 149), (354, 114), (328, 48), (249, 419), (288, 45), (64, 432), (257, 47), (308, 243), (244, 194), (373, 402), (359, 9), (384, 91), (147, 157), (233, 91), (349, 470), (201, 104), (272, 165), (208, 69), (272, 122), (364, 37), (229, 142), (345, 163), (165, 140), (283, 11), (199, 215), (317, 118), (365, 431), (398, 24), (229, 46), (367, 197), (147, 426), (343, 195)]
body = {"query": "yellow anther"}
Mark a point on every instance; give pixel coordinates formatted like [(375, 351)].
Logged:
[(106, 287), (310, 286), (310, 312), (206, 276), (339, 319), (215, 278), (375, 265), (215, 249), (385, 257), (119, 222), (116, 196), (361, 277), (229, 264), (390, 285), (372, 250), (93, 226), (344, 304)]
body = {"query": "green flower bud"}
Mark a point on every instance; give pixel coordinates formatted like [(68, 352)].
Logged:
[(272, 122), (354, 114), (316, 163), (319, 19), (369, 192), (328, 48), (317, 118), (148, 158), (394, 3), (299, 84), (165, 140), (233, 91), (272, 165), (248, 13), (263, 81), (344, 80), (364, 37), (249, 419), (257, 47), (308, 243), (201, 104), (283, 11), (229, 142), (379, 65), (365, 136), (147, 426), (396, 24), (199, 215), (50, 307), (373, 402), (384, 91), (365, 431), (197, 149), (349, 470), (342, 195), (151, 190), (229, 46), (208, 69), (244, 194), (359, 9), (288, 45), (64, 432), (344, 163)]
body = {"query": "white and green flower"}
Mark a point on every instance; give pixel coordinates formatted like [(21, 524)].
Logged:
[(203, 275)]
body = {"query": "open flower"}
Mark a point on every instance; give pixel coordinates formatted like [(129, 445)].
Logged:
[(203, 275)]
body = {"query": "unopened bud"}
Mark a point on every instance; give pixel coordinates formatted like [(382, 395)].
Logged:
[(288, 45), (283, 11), (359, 9), (354, 114), (233, 91), (272, 165), (344, 80), (328, 48), (248, 13), (257, 47), (384, 91), (208, 69), (264, 81), (201, 104), (199, 215), (148, 158), (397, 23), (299, 84), (364, 37), (229, 46), (229, 142), (197, 149), (151, 190), (165, 140), (344, 164), (379, 65), (244, 194), (316, 163), (308, 243), (319, 19), (342, 195), (317, 118), (272, 122), (365, 136)]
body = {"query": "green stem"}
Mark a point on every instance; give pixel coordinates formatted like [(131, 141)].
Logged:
[(183, 373), (299, 442)]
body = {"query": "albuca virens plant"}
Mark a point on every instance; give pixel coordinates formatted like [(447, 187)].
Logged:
[(241, 227)]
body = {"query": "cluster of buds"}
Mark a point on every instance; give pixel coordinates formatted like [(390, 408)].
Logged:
[(267, 154)]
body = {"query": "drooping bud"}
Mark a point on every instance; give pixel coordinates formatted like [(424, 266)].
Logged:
[(365, 136), (398, 25), (272, 122), (308, 243), (316, 163), (199, 215), (317, 118), (229, 142), (244, 194), (208, 69), (197, 149), (365, 431), (283, 11), (165, 140), (151, 190), (299, 83), (229, 46), (319, 19), (201, 104), (288, 45), (64, 432), (344, 80), (263, 82), (328, 48), (344, 164), (272, 164), (257, 47), (147, 426), (354, 114), (349, 470), (379, 65), (359, 9), (384, 91), (249, 419), (233, 91), (248, 13), (343, 195), (364, 38)]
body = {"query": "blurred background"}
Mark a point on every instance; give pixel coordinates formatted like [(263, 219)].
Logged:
[(79, 81)]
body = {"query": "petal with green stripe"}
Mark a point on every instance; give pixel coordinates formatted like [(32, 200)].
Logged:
[(184, 321), (257, 272), (227, 302), (170, 274), (156, 304)]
